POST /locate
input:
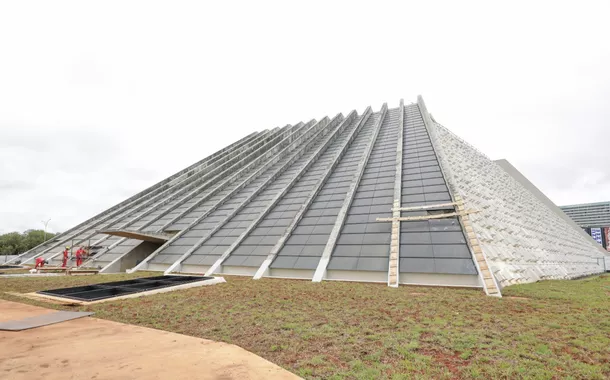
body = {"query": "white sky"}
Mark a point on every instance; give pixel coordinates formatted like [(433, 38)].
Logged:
[(99, 100)]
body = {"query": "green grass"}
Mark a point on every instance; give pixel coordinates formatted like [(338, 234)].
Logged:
[(341, 330)]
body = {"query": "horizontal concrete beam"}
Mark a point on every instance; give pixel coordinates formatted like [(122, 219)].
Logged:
[(145, 236)]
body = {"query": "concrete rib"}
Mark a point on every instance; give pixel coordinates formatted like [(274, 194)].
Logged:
[(267, 164), (184, 199), (149, 199), (332, 239), (275, 200), (246, 162), (233, 159), (329, 127), (156, 187), (393, 269), (490, 285), (262, 270)]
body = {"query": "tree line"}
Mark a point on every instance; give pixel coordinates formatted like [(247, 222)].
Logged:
[(14, 243)]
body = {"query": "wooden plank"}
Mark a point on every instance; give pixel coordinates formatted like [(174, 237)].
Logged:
[(426, 217), (414, 208)]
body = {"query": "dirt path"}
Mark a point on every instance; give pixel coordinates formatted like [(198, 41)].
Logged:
[(90, 348)]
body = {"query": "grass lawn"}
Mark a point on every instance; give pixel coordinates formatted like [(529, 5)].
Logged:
[(337, 330)]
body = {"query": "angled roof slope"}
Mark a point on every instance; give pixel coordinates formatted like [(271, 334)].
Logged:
[(388, 196), (523, 239)]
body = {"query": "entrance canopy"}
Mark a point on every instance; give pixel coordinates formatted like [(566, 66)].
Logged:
[(154, 237)]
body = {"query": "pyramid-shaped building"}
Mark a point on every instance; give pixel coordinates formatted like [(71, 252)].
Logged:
[(389, 196)]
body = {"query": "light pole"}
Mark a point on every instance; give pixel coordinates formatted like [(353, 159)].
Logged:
[(45, 229)]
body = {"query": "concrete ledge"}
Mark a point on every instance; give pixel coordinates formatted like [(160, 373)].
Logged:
[(154, 267), (297, 274), (357, 276), (154, 237), (237, 270), (439, 279)]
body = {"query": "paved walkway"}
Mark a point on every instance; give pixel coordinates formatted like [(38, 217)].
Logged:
[(91, 348)]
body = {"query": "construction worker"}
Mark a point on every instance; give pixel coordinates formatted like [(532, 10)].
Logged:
[(79, 256), (66, 254), (40, 262)]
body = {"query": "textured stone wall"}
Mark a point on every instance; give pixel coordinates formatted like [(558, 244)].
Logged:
[(522, 239)]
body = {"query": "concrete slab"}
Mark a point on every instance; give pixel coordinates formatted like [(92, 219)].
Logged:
[(154, 237), (94, 348), (41, 320), (31, 275)]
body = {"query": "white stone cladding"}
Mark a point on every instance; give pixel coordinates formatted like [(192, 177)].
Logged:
[(522, 239)]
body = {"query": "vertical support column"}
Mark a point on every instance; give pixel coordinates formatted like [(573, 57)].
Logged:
[(393, 267), (349, 198)]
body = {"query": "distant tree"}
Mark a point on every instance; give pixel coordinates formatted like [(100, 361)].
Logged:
[(32, 238), (14, 243), (10, 244)]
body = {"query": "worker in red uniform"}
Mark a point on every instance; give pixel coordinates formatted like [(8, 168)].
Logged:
[(79, 256), (40, 262), (65, 260)]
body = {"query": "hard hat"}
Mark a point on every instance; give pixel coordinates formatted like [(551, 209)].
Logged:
[(67, 247)]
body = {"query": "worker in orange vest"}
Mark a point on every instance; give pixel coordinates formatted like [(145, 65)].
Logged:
[(79, 256), (65, 260), (40, 262)]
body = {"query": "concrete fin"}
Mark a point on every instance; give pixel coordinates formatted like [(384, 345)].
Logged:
[(332, 240), (68, 235), (244, 159), (303, 209)]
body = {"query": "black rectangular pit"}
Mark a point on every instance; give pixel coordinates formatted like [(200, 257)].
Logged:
[(149, 285), (128, 282), (76, 289), (100, 294), (106, 290)]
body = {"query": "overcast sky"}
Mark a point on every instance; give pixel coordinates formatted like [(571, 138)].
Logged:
[(99, 100)]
